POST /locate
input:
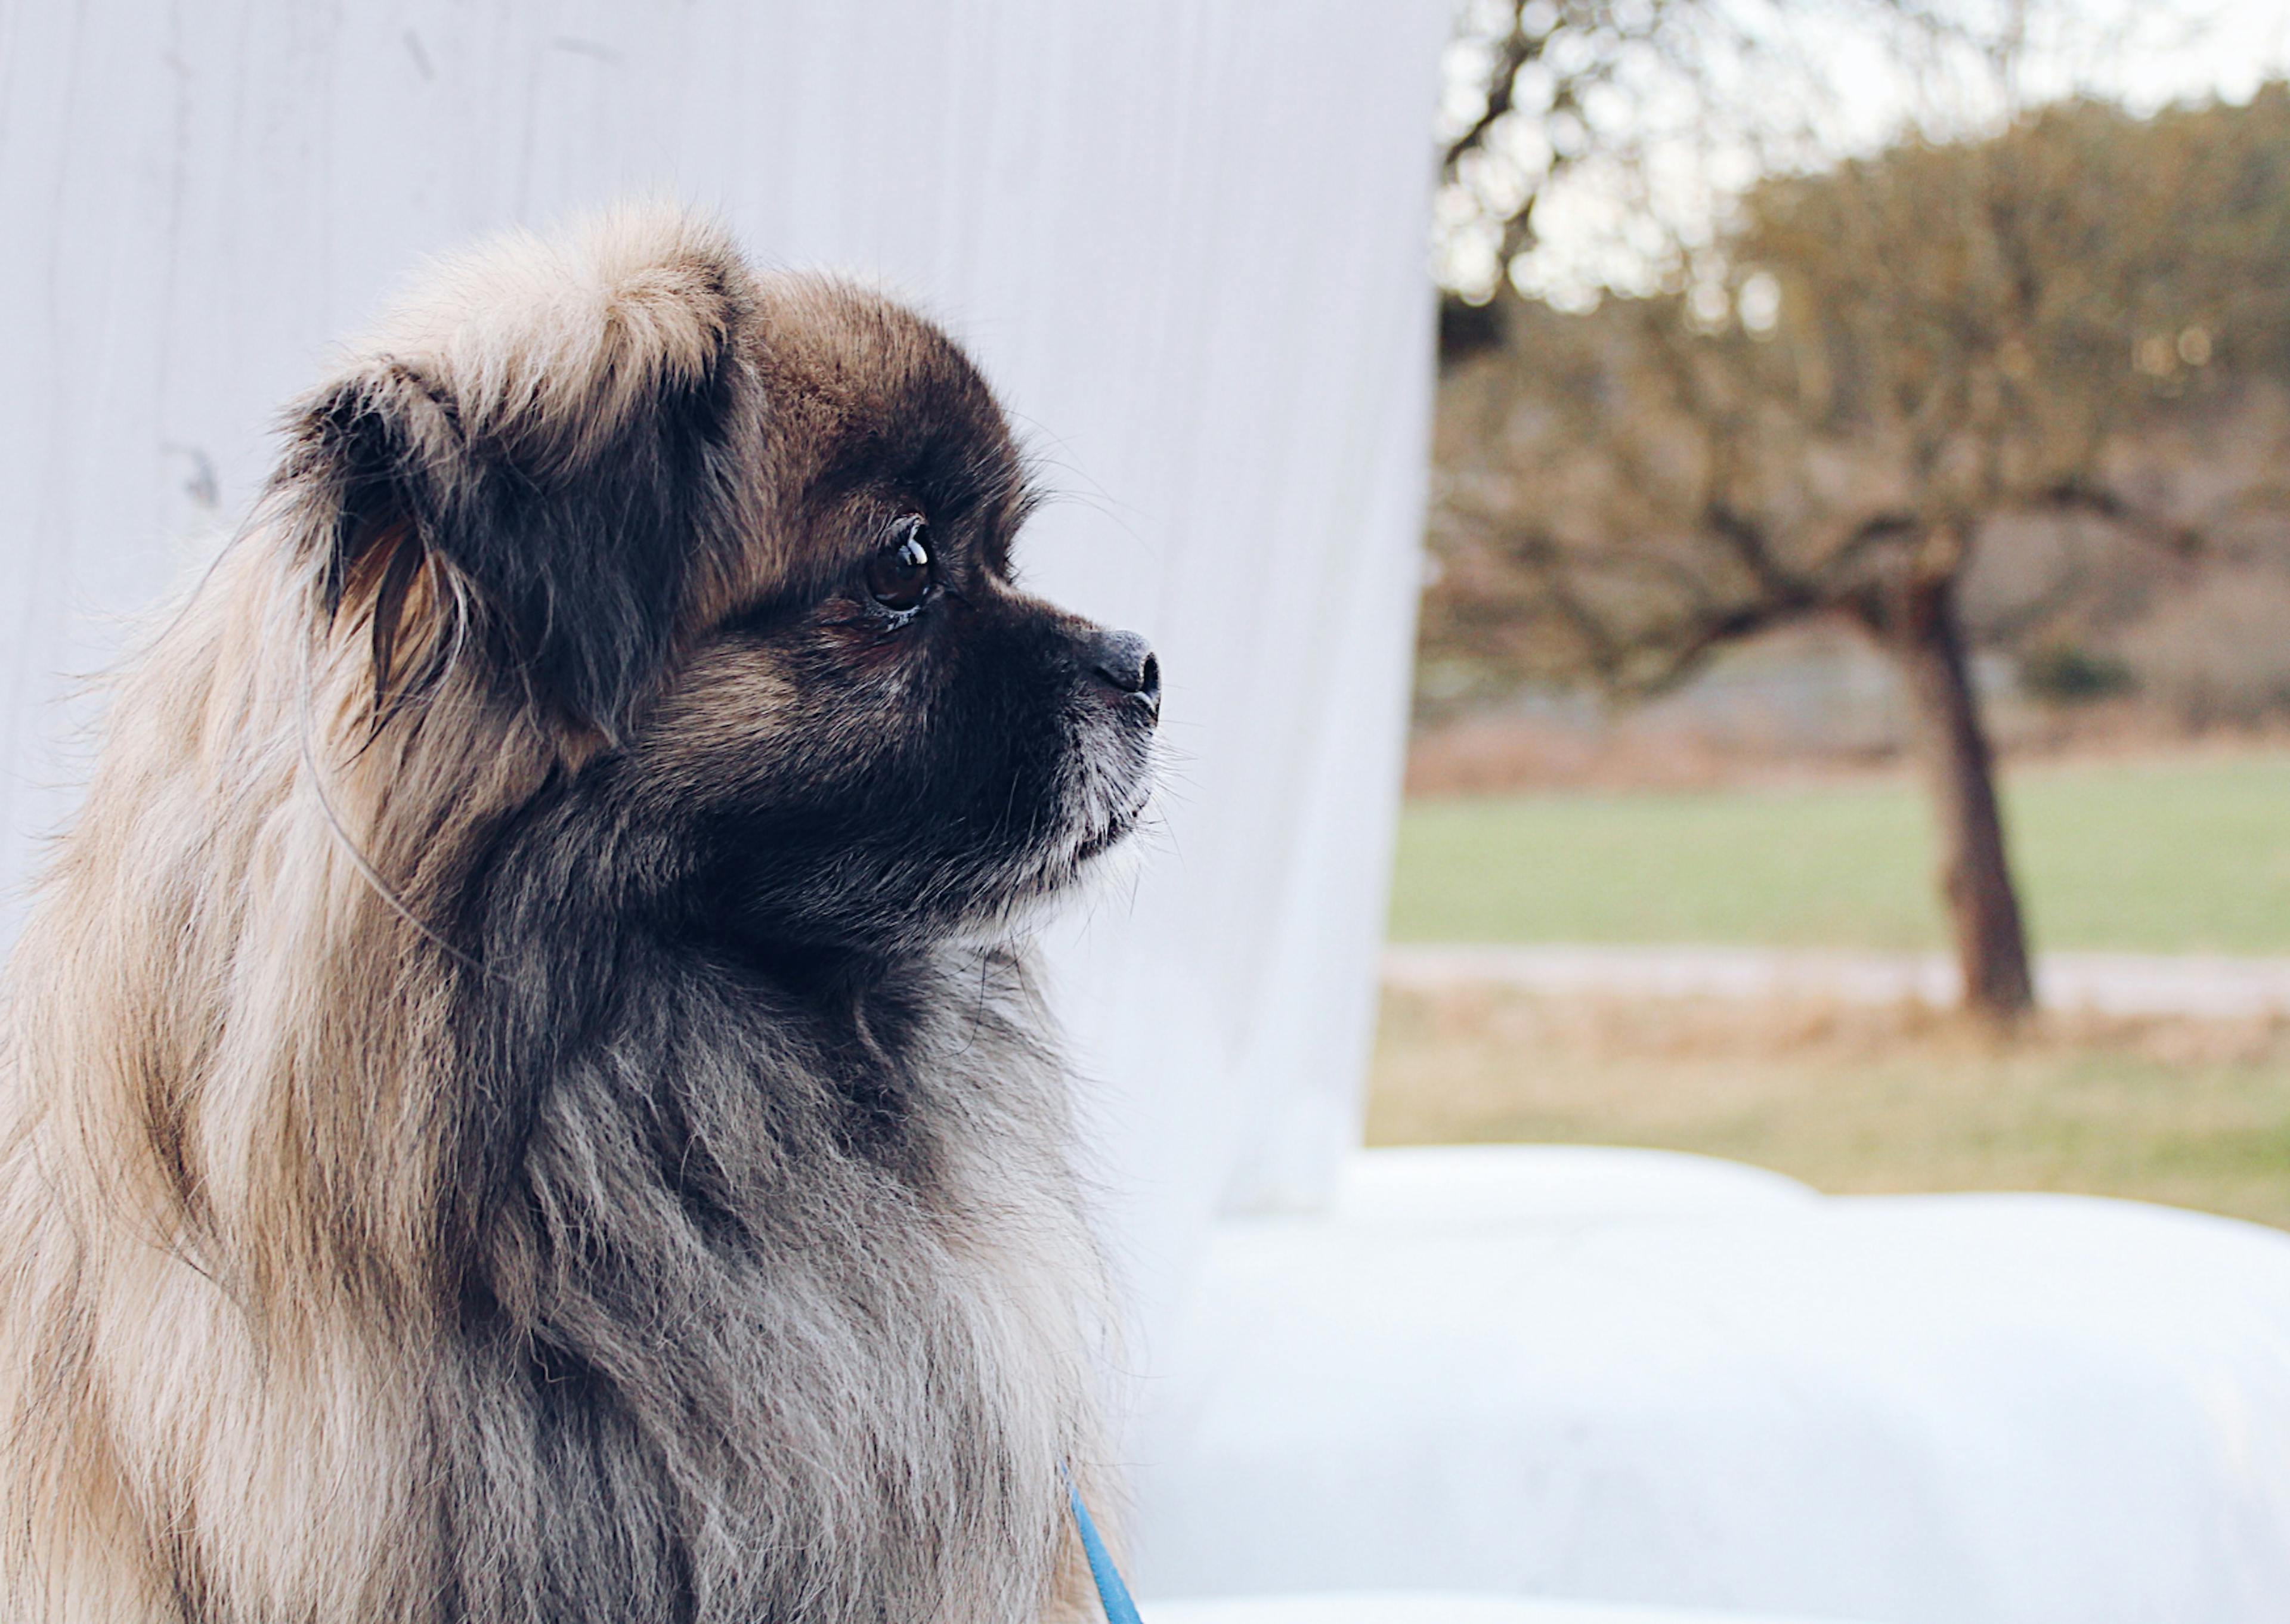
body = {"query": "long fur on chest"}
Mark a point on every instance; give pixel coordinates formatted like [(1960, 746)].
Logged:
[(797, 1274)]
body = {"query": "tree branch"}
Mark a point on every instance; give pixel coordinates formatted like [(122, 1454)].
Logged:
[(2075, 495)]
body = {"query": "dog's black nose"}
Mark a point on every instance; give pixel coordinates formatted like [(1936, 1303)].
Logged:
[(1126, 661)]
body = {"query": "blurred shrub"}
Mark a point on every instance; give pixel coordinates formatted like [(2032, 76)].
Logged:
[(2065, 674)]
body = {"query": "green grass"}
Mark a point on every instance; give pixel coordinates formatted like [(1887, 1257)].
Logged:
[(2167, 856)]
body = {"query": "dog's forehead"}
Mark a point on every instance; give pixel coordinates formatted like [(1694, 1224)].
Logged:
[(858, 387)]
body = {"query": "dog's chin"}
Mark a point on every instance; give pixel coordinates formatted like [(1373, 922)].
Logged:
[(1109, 864), (1092, 856)]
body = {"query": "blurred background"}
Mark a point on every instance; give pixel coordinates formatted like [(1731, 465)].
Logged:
[(1857, 607)]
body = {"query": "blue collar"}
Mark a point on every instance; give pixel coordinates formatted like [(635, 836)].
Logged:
[(1112, 1594)]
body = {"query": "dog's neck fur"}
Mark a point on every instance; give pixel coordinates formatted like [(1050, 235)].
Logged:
[(690, 1231)]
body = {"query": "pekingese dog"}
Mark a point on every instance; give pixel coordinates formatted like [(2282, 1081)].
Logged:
[(524, 1099)]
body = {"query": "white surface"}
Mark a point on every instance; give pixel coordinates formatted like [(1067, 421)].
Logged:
[(2112, 983), (1392, 1609), (1929, 1410), (1473, 1189), (1185, 239)]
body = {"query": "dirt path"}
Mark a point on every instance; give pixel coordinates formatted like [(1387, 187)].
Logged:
[(2112, 983)]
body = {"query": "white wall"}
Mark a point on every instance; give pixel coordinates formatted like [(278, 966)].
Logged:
[(1185, 238)]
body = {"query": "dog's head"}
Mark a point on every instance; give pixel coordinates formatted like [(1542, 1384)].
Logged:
[(739, 549)]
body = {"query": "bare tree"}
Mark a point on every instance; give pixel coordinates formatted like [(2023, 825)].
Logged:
[(1538, 90), (1896, 353)]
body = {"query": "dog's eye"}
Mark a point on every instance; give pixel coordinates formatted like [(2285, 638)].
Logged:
[(899, 577)]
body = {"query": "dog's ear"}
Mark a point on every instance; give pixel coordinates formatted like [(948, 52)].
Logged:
[(531, 463)]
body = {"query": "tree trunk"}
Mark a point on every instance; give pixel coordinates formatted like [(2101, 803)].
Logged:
[(1920, 630)]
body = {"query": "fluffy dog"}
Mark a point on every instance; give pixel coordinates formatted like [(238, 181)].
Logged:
[(524, 1097)]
